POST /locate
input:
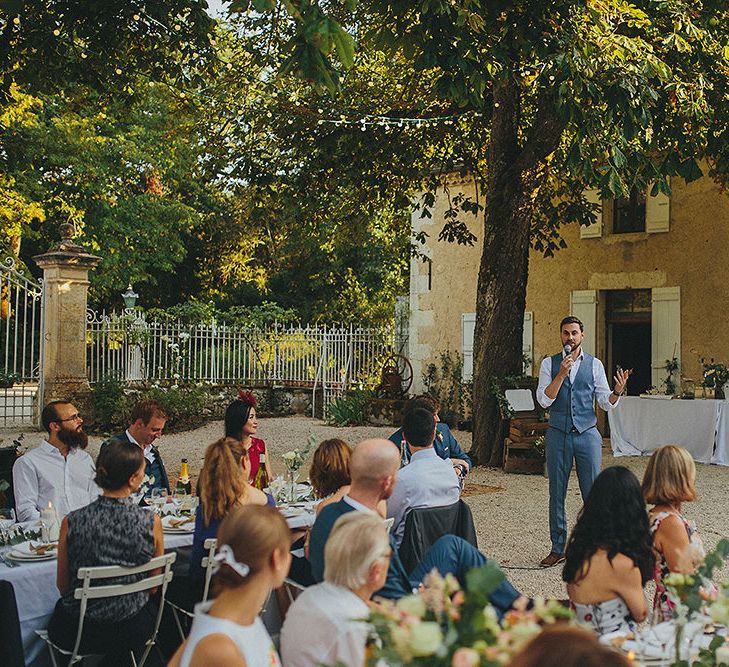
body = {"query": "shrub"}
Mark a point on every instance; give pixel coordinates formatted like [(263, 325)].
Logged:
[(183, 404), (349, 410), (110, 404), (446, 385)]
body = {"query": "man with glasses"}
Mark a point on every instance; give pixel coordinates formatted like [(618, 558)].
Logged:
[(59, 471)]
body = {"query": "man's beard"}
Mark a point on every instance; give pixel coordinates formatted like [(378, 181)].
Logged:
[(74, 438)]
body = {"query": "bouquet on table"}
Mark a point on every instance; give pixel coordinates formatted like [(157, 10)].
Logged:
[(444, 626), (293, 461)]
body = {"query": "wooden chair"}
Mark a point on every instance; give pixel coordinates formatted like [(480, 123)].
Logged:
[(88, 592)]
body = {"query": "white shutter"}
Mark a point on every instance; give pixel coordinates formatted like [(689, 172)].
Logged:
[(583, 304), (527, 341), (665, 330), (468, 327), (594, 230), (657, 213)]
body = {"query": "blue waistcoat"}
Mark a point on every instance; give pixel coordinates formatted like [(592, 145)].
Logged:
[(574, 405)]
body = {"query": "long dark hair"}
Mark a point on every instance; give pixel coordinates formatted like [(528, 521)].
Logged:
[(236, 415), (613, 518)]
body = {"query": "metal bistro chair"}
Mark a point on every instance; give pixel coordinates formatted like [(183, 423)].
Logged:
[(88, 592), (211, 544)]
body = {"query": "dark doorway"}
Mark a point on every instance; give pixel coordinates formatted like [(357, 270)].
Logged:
[(629, 337)]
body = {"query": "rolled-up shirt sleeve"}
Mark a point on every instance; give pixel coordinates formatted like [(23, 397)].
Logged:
[(25, 489), (602, 388), (545, 379)]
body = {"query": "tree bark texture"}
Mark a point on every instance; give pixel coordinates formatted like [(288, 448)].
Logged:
[(502, 280)]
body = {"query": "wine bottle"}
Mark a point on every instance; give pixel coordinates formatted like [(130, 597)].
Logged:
[(184, 486), (260, 481)]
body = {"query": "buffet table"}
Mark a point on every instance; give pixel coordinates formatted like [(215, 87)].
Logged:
[(640, 425)]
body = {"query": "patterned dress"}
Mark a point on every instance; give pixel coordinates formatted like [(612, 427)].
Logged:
[(662, 605), (110, 531), (605, 617)]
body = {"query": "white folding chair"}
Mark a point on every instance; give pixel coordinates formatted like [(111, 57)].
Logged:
[(88, 592), (211, 544)]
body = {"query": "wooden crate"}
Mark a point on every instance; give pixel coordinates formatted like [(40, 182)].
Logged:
[(526, 427), (521, 458)]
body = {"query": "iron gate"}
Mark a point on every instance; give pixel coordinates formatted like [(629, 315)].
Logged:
[(21, 346)]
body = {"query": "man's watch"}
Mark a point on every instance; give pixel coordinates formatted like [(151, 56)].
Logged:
[(617, 394)]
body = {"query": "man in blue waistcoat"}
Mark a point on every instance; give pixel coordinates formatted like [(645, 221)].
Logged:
[(569, 384)]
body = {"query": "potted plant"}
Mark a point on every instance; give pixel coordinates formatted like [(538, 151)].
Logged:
[(8, 379)]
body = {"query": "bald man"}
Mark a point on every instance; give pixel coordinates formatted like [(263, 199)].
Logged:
[(373, 468)]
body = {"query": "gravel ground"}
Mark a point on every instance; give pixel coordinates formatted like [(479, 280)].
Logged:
[(512, 523)]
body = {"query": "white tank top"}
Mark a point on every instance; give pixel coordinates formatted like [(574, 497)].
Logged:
[(253, 641)]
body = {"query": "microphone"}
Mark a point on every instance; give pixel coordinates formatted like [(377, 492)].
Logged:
[(567, 348)]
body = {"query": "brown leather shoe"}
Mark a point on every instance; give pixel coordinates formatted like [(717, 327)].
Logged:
[(552, 560)]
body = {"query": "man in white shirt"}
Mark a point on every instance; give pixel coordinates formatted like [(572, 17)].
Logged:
[(428, 480), (569, 384), (324, 625), (58, 471)]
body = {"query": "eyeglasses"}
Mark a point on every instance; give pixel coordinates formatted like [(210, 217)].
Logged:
[(73, 418)]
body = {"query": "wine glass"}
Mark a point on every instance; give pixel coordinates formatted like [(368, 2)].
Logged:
[(7, 518), (159, 498)]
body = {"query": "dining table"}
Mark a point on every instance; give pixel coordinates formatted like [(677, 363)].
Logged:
[(36, 593)]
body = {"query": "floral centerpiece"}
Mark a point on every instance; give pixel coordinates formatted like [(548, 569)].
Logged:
[(694, 595), (293, 460), (716, 375), (444, 626)]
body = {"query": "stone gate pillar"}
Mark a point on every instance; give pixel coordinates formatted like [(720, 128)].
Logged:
[(65, 285)]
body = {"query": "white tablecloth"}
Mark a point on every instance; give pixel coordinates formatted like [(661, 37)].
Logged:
[(641, 425), (36, 595)]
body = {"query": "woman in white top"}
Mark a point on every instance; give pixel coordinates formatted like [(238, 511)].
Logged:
[(253, 558), (325, 625)]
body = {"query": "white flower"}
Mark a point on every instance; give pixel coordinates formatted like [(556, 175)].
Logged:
[(425, 638), (412, 604)]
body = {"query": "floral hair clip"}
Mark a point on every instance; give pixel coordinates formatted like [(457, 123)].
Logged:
[(225, 556), (245, 396)]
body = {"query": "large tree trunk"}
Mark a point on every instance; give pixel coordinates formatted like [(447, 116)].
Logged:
[(502, 279)]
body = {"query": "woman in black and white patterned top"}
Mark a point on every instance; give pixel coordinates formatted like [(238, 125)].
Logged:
[(112, 530)]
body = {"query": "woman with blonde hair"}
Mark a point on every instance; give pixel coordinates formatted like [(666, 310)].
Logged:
[(223, 485), (668, 482), (252, 559)]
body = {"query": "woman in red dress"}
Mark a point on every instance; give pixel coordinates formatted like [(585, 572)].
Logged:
[(241, 424)]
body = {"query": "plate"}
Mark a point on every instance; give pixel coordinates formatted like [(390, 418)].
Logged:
[(22, 552), (184, 529), (657, 397)]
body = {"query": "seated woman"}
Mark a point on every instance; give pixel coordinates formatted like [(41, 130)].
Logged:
[(668, 482), (223, 485), (609, 554), (329, 473), (253, 558), (241, 424), (112, 530)]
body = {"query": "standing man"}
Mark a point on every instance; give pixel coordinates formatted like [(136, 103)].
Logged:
[(148, 420), (569, 383)]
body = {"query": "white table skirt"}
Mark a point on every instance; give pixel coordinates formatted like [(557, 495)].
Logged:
[(36, 596), (640, 425)]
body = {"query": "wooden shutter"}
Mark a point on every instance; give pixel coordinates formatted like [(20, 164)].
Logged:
[(468, 327), (583, 304), (594, 230), (665, 330), (657, 213), (527, 341)]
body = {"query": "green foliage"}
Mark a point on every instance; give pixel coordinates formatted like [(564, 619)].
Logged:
[(497, 388), (445, 383), (350, 409), (183, 404), (109, 403)]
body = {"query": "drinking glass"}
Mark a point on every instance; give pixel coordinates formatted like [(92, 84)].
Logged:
[(159, 498), (7, 518)]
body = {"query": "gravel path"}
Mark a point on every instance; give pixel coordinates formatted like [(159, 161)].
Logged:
[(512, 523)]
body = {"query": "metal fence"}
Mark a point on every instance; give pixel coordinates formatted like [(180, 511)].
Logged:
[(327, 359), (20, 346)]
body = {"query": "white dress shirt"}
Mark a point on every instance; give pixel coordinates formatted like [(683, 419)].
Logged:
[(427, 481), (324, 627), (148, 453), (43, 475), (602, 388)]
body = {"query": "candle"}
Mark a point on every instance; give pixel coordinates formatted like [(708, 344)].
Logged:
[(50, 526)]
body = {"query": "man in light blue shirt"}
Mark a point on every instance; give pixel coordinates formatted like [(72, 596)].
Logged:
[(428, 480)]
